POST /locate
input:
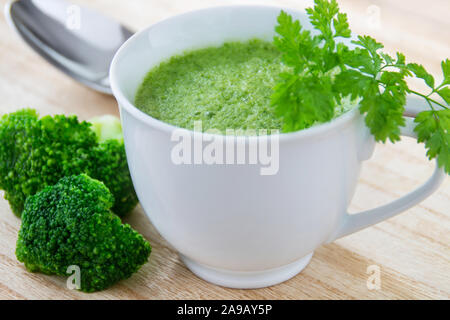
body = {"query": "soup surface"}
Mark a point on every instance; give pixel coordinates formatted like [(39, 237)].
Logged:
[(226, 87)]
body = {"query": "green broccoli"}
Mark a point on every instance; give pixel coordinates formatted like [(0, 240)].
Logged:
[(107, 127), (70, 224), (35, 153)]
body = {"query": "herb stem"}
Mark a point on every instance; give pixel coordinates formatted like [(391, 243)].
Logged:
[(428, 99), (389, 65), (440, 86)]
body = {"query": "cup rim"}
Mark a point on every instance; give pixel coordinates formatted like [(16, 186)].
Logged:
[(315, 131)]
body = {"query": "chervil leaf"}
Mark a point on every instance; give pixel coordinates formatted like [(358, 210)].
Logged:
[(369, 43), (372, 46), (445, 94), (353, 83), (306, 95), (387, 58), (421, 73), (325, 71), (322, 15), (341, 26), (384, 112), (282, 97), (296, 45), (433, 129), (446, 71), (302, 101), (426, 125), (401, 60), (379, 118), (360, 59), (287, 28)]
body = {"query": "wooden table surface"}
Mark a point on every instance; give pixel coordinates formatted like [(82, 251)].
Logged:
[(411, 250)]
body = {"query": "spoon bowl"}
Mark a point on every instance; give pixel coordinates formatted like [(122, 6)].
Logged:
[(77, 40)]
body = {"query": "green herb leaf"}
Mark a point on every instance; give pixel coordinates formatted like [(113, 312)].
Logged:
[(401, 60), (445, 94), (341, 26), (433, 129), (446, 71), (421, 73), (325, 71), (372, 47)]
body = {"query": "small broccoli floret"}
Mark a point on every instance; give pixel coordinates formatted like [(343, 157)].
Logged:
[(111, 165), (111, 162), (107, 127), (70, 224), (35, 153)]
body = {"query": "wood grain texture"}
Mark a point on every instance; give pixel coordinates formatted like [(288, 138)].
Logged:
[(412, 249)]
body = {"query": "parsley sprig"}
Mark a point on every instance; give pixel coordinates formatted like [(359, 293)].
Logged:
[(325, 71)]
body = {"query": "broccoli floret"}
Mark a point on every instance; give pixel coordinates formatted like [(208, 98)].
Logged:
[(111, 162), (107, 127), (35, 153), (70, 224), (111, 165)]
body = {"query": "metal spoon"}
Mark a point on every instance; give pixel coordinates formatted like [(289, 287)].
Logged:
[(78, 41)]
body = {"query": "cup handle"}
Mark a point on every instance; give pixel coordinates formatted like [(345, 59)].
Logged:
[(355, 222)]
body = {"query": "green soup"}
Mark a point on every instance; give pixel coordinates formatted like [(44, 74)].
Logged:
[(226, 87)]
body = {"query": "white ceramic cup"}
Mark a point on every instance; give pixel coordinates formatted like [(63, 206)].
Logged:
[(231, 225)]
